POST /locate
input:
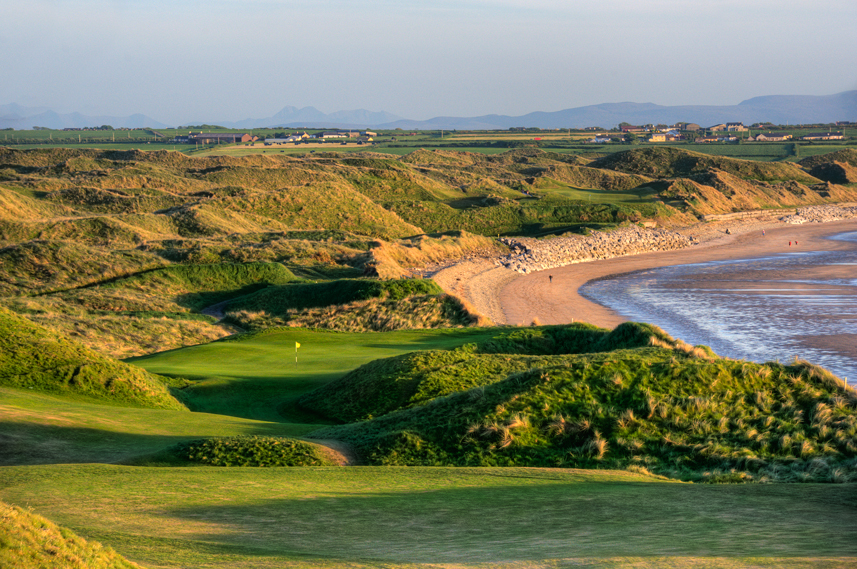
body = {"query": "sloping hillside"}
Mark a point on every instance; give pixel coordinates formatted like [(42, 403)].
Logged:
[(677, 163), (836, 167), (29, 541), (32, 357)]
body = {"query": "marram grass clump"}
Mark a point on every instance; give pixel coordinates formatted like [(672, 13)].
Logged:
[(253, 451)]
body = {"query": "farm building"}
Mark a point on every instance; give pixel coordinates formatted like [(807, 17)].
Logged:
[(771, 137), (665, 137), (332, 134), (221, 138), (823, 136)]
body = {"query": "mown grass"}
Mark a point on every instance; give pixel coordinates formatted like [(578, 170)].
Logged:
[(42, 428), (256, 376), (399, 517), (338, 517)]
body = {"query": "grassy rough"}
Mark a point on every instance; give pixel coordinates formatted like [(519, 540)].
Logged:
[(198, 286), (279, 299), (252, 451), (374, 315), (387, 385), (29, 541), (32, 357)]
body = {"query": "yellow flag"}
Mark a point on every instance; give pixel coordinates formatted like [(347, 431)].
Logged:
[(297, 345)]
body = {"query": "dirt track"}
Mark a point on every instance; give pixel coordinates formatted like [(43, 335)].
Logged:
[(510, 298)]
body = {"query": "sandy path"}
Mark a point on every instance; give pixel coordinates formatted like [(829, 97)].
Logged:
[(533, 296), (479, 282)]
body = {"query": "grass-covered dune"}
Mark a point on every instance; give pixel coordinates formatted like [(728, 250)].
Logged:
[(32, 357), (836, 167), (678, 163), (199, 286), (29, 541), (666, 407), (410, 379), (351, 305)]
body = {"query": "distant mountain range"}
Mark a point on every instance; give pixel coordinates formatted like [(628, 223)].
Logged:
[(25, 118), (777, 109)]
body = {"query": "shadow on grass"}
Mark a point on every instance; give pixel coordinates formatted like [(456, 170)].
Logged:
[(25, 443), (540, 521)]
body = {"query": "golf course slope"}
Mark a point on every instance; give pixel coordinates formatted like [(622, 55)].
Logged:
[(29, 541), (32, 357)]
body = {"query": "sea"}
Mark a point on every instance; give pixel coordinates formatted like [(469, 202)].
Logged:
[(796, 304)]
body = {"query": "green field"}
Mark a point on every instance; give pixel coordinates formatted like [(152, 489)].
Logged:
[(400, 143), (258, 378)]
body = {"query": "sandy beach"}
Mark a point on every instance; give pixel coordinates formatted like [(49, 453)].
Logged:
[(508, 297)]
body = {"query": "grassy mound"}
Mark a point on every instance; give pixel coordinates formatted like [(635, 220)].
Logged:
[(585, 177), (411, 379), (278, 300), (29, 541), (253, 451), (372, 315), (32, 357), (846, 155), (836, 167), (198, 286), (678, 411), (678, 163), (43, 265)]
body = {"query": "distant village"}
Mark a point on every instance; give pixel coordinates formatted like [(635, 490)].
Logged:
[(723, 132), (358, 136)]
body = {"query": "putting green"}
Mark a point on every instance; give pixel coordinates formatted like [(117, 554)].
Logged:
[(256, 376)]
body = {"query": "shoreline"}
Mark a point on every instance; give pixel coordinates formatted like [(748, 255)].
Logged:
[(533, 296), (508, 297)]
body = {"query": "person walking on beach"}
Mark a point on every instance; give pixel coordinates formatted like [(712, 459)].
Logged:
[(550, 278), (763, 233)]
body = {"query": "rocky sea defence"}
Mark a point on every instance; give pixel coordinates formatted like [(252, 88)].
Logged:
[(528, 255), (821, 214)]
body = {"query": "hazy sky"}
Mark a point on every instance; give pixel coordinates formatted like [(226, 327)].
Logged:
[(182, 61)]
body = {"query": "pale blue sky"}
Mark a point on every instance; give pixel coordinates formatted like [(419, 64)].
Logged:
[(182, 61)]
